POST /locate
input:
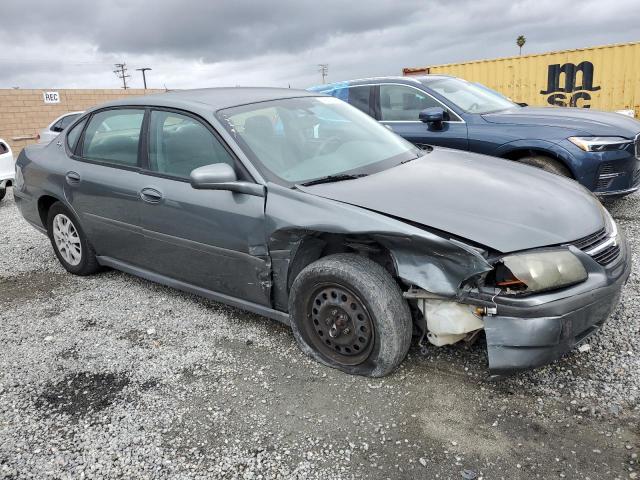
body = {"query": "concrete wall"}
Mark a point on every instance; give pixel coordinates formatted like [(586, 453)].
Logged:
[(23, 112)]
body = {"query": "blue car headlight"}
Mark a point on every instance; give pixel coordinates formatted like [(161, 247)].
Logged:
[(539, 271), (599, 144)]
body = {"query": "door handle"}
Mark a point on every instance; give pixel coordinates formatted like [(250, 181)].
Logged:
[(151, 195), (73, 178)]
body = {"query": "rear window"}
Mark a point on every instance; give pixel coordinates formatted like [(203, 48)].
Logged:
[(113, 136), (68, 120)]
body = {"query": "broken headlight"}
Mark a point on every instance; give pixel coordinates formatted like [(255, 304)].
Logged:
[(539, 271)]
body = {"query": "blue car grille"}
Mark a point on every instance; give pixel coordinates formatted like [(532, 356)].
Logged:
[(603, 257)]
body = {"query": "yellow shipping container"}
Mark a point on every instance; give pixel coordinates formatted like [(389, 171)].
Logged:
[(604, 78)]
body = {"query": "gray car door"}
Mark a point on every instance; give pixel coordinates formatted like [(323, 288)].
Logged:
[(211, 239), (102, 182)]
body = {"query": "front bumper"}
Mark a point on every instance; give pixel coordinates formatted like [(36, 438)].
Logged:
[(611, 173), (532, 331)]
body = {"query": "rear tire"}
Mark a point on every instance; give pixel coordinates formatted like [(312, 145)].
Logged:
[(548, 164), (3, 192), (69, 241), (347, 312)]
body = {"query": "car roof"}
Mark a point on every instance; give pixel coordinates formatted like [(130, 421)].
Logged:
[(213, 98), (408, 80)]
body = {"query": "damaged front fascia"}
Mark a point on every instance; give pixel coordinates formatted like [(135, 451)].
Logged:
[(436, 264)]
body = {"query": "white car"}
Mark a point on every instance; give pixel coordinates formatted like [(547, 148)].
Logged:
[(58, 125), (7, 167)]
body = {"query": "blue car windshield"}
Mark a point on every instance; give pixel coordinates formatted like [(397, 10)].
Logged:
[(470, 97), (296, 140)]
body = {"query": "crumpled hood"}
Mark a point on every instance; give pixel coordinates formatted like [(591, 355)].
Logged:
[(498, 203), (582, 120)]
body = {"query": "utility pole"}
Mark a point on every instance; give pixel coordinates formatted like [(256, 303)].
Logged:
[(144, 77), (121, 72), (324, 70)]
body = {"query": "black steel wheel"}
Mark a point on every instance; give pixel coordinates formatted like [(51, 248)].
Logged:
[(340, 325), (347, 312)]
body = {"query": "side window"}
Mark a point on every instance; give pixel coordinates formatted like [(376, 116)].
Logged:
[(3, 148), (56, 127), (179, 144), (401, 103), (359, 98), (74, 134), (113, 136), (356, 96), (66, 121)]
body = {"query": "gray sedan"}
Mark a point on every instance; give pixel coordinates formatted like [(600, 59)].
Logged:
[(301, 208)]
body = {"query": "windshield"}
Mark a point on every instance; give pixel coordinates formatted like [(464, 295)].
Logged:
[(296, 140), (470, 97)]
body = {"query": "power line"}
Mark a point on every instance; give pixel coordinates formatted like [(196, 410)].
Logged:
[(144, 77), (324, 70), (121, 72)]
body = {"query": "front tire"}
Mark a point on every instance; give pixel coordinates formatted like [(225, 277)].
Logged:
[(69, 242), (547, 164), (347, 312), (3, 192)]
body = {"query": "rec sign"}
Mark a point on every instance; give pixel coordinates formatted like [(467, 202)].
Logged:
[(51, 97)]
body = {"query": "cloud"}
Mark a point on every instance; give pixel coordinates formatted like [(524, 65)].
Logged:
[(195, 43)]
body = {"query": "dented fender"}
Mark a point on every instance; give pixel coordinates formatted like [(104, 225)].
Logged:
[(430, 261)]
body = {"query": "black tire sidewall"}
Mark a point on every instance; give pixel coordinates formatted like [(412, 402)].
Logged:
[(380, 296), (547, 164), (87, 259), (3, 192)]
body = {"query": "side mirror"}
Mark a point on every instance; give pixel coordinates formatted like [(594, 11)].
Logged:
[(221, 176), (433, 115)]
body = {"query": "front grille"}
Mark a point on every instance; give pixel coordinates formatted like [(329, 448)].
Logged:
[(636, 174), (606, 175), (608, 255), (603, 257), (590, 241)]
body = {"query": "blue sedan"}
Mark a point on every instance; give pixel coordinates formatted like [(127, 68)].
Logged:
[(598, 149)]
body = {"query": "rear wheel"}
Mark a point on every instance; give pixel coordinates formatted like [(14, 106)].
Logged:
[(69, 242), (3, 192), (347, 312), (548, 164)]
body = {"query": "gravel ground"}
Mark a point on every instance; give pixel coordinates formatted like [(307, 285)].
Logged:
[(115, 377)]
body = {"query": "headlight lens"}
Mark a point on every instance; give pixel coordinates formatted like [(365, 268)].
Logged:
[(599, 144), (539, 271)]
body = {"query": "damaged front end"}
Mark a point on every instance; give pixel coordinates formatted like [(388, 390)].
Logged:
[(533, 306)]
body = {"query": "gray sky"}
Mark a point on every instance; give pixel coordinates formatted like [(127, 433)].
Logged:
[(200, 43)]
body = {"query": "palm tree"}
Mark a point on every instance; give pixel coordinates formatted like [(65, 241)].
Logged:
[(520, 41)]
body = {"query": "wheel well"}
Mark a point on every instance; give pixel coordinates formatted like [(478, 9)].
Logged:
[(530, 152), (316, 246), (44, 204)]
